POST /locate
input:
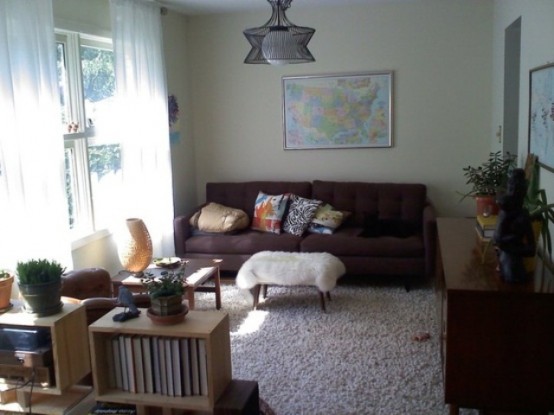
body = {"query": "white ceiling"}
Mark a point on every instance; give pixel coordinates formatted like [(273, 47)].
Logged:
[(195, 7)]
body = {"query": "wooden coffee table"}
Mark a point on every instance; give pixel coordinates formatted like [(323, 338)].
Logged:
[(197, 272)]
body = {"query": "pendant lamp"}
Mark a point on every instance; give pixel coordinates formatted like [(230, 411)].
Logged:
[(278, 41)]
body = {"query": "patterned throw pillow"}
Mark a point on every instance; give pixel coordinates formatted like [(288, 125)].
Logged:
[(327, 219), (269, 211), (301, 213)]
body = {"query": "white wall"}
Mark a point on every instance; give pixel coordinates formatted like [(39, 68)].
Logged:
[(439, 50), (537, 40)]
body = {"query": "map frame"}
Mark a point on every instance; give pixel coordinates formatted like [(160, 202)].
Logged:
[(376, 118), (541, 115)]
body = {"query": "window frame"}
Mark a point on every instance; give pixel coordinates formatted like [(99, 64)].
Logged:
[(76, 143)]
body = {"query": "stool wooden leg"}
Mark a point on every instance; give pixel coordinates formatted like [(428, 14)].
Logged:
[(322, 300), (217, 288), (256, 294)]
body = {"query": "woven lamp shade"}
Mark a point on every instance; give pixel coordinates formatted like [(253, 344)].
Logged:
[(135, 246)]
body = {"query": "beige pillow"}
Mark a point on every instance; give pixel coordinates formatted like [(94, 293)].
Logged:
[(218, 218)]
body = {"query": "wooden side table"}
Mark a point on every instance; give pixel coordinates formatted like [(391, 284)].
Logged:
[(197, 273)]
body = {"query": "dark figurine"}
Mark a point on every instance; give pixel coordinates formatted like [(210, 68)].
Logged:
[(126, 299), (514, 236)]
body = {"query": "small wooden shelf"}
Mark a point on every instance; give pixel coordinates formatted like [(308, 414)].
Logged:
[(71, 359), (68, 330), (211, 326)]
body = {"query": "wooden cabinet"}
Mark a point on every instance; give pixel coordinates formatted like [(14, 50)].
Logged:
[(70, 355), (210, 326), (497, 344)]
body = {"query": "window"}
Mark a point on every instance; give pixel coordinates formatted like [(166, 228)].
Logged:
[(92, 152)]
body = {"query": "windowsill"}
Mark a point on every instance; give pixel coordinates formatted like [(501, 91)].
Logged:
[(88, 239)]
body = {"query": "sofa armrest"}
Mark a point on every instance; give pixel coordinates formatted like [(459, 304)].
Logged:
[(430, 238), (182, 230)]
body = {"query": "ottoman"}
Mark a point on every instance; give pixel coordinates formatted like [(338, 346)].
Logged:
[(319, 269)]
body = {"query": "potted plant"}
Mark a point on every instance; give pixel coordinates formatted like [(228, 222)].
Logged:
[(166, 295), (487, 180), (40, 282), (540, 211), (6, 282)]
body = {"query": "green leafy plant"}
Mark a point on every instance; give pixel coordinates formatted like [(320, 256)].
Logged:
[(170, 282), (39, 271), (491, 176), (537, 204)]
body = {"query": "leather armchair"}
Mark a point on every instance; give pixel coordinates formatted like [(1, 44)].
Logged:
[(92, 287)]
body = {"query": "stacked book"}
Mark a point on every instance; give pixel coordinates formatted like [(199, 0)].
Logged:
[(169, 366), (485, 226)]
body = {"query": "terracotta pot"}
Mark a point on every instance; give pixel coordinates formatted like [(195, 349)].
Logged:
[(486, 205), (6, 293)]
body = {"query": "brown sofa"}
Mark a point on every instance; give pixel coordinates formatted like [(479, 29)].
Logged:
[(391, 229)]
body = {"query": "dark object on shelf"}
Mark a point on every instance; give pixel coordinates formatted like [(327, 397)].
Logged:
[(125, 298), (514, 235), (24, 338)]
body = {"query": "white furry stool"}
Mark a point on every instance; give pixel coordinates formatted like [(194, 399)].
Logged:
[(290, 268)]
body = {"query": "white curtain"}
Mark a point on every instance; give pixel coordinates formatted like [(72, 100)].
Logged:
[(144, 127), (33, 208)]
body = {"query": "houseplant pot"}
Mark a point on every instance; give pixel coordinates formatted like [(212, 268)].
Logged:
[(166, 296), (40, 284), (487, 180), (6, 282)]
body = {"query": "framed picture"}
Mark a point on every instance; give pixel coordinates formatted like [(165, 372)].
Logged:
[(541, 115), (338, 111)]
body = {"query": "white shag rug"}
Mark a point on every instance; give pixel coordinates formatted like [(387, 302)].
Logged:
[(358, 358)]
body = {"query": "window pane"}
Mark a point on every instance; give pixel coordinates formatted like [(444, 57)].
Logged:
[(98, 84), (62, 82), (105, 180), (70, 184)]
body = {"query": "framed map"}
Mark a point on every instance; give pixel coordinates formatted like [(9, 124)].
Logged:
[(541, 114), (338, 111)]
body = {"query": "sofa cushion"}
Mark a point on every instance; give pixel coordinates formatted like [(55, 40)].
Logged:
[(300, 214), (269, 211), (245, 242), (384, 200), (327, 219), (345, 245), (218, 218)]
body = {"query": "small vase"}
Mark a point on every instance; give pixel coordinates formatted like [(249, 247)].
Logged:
[(135, 246)]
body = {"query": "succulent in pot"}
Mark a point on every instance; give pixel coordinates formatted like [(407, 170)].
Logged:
[(166, 294), (40, 283)]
